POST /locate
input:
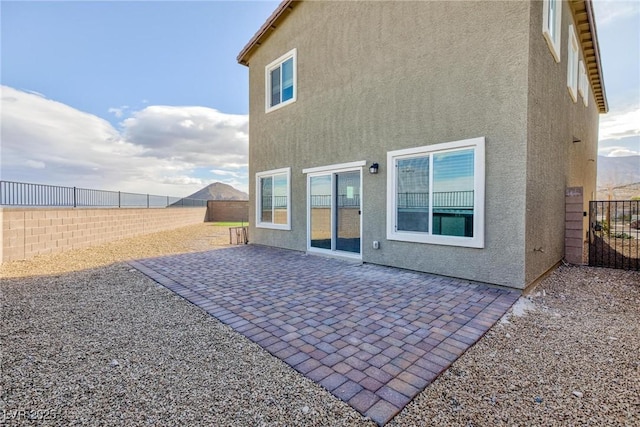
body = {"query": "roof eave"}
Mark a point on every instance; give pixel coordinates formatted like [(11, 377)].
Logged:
[(587, 29), (264, 31), (585, 23)]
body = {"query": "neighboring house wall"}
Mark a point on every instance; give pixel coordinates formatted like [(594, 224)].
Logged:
[(554, 161), (28, 232), (228, 210)]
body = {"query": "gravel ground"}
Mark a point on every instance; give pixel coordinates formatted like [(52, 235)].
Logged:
[(569, 354), (193, 238), (615, 251), (87, 340)]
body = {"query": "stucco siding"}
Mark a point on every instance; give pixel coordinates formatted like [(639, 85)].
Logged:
[(554, 161), (393, 75)]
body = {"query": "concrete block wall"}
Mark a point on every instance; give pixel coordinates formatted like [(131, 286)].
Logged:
[(27, 232), (574, 235), (228, 210), (321, 223), (348, 223)]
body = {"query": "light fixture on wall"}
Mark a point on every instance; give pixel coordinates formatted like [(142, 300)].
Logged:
[(373, 169)]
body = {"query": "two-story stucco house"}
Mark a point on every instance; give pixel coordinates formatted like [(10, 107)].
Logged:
[(437, 136)]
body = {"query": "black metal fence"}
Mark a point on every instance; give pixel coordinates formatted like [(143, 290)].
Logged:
[(344, 201), (25, 194), (614, 234), (442, 199)]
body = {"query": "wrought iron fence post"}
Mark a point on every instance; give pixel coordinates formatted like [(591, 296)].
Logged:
[(26, 194), (608, 217)]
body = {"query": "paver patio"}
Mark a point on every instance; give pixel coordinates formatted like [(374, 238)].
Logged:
[(373, 336)]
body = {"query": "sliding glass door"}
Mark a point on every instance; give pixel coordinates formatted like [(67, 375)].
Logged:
[(347, 230), (320, 218), (334, 212)]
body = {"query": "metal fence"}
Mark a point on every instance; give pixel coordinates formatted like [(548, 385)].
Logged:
[(25, 194), (614, 234), (442, 199), (344, 201)]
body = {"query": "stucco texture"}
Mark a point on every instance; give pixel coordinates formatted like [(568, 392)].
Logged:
[(383, 76), (554, 160)]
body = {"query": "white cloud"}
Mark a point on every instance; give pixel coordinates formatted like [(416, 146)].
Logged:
[(153, 153), (608, 11), (33, 92), (118, 111), (35, 164), (202, 137), (183, 180), (620, 123), (220, 172), (617, 151)]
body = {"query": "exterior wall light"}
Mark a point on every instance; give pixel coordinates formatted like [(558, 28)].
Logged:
[(373, 169)]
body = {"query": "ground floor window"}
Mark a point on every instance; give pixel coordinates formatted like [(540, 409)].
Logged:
[(273, 199), (435, 194)]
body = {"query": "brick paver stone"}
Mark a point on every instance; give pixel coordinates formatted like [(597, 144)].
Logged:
[(373, 336)]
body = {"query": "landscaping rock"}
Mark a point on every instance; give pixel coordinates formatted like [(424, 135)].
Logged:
[(87, 340)]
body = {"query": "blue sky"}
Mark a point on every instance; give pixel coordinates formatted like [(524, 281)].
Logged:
[(618, 25), (100, 55), (148, 96)]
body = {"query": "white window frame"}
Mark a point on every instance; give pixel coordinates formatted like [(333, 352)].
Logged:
[(272, 174), (583, 84), (552, 30), (333, 170), (477, 241), (573, 49), (267, 79)]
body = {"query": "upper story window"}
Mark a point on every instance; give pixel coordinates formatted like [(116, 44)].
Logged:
[(551, 24), (572, 64), (280, 76), (273, 199), (583, 84), (435, 194)]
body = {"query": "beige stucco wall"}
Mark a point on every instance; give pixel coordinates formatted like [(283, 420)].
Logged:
[(554, 161), (27, 232), (391, 75)]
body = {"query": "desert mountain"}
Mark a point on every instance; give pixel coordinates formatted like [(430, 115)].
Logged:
[(219, 191), (618, 177), (618, 171)]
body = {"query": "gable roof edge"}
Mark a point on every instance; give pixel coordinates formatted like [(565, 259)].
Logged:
[(586, 26), (264, 31), (584, 19)]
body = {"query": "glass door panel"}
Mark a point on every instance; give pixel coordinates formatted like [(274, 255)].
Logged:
[(320, 224), (347, 201)]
